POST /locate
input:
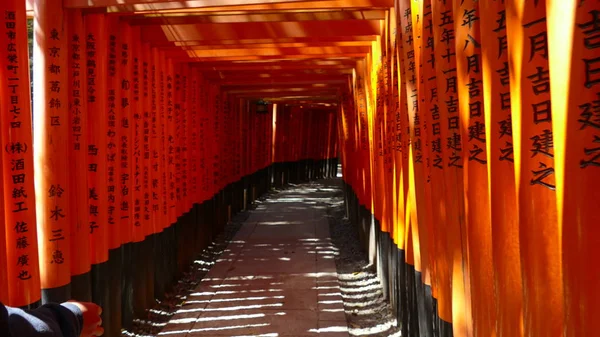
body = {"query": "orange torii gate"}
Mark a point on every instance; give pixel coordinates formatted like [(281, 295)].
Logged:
[(138, 155)]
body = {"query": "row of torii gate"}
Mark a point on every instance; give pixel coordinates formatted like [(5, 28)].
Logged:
[(129, 156), (467, 132)]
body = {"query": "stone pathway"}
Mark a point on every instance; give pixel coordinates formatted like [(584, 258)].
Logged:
[(276, 278)]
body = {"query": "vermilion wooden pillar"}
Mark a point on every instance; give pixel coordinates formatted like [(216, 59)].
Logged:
[(81, 288), (147, 98), (96, 68), (504, 212), (17, 158), (531, 106), (51, 116), (141, 225), (3, 262), (476, 194), (458, 311), (126, 163), (574, 60), (113, 169)]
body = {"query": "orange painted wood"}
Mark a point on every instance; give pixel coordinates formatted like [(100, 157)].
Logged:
[(126, 125), (401, 146), (137, 124), (200, 7), (163, 124), (96, 67), (155, 142), (17, 158), (113, 132), (173, 189), (573, 62), (148, 130), (540, 235), (180, 134), (51, 124), (472, 127), (501, 170), (78, 143), (455, 309)]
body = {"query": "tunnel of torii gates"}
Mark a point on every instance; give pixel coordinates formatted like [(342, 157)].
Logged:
[(468, 132)]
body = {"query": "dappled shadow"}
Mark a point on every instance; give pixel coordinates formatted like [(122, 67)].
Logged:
[(275, 277), (368, 312)]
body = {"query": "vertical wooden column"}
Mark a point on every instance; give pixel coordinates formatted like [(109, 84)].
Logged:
[(401, 147), (179, 135), (426, 112), (113, 170), (113, 98), (187, 183), (195, 146), (148, 105), (458, 311), (574, 61), (96, 88), (365, 170), (435, 155), (202, 137), (211, 137), (473, 135), (410, 85), (50, 142), (127, 133), (141, 225), (78, 154), (154, 142), (173, 191), (441, 283), (540, 235), (375, 104), (504, 212), (156, 177), (3, 262), (163, 127), (96, 67), (17, 158), (126, 162)]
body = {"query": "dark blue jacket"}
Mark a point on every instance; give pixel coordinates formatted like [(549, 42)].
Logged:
[(49, 320)]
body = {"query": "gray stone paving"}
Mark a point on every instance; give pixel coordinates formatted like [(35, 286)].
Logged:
[(276, 278)]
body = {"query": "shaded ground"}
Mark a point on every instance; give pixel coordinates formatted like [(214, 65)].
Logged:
[(366, 312), (164, 310)]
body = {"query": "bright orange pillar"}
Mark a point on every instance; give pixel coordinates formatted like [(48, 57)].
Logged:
[(96, 45), (137, 124), (457, 311), (574, 60), (3, 261), (195, 149), (78, 147), (503, 207), (163, 125), (467, 19), (113, 132), (50, 55), (173, 188), (155, 137), (540, 235), (401, 146), (17, 158), (126, 134), (148, 129)]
